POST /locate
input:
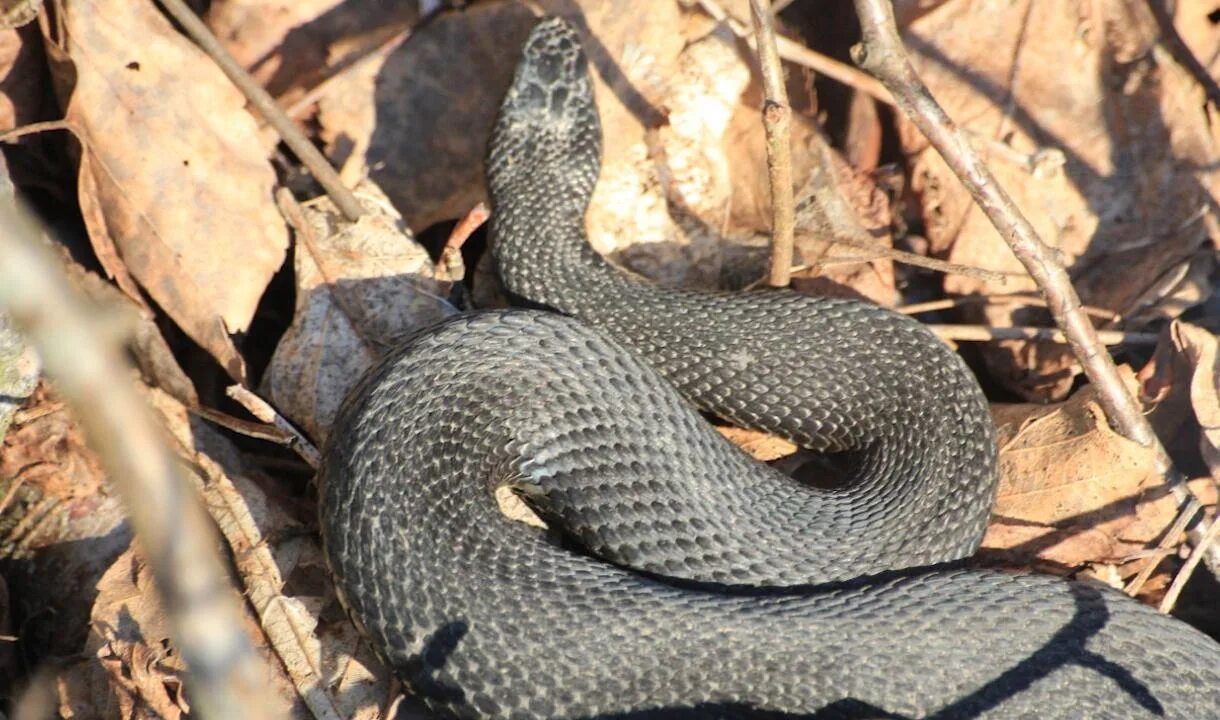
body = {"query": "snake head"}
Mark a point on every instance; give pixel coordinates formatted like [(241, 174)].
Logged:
[(548, 129)]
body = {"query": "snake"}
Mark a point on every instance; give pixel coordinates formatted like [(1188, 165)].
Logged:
[(675, 576)]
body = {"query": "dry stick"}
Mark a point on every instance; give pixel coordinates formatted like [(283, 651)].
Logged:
[(1026, 299), (1162, 549), (777, 121), (226, 678), (908, 258), (983, 333), (881, 53), (1179, 582), (262, 101), (262, 410)]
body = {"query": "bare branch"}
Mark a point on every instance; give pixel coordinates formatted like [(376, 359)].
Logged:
[(983, 333), (777, 121), (175, 534), (262, 410), (1179, 581)]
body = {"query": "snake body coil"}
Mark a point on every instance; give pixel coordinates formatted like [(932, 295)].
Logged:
[(708, 585)]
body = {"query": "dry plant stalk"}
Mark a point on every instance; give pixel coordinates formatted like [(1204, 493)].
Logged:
[(777, 121), (174, 532), (882, 54)]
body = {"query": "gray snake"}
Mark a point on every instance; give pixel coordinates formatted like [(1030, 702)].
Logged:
[(679, 578)]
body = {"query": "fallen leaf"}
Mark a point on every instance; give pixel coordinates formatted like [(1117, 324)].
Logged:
[(291, 47), (1072, 490), (1182, 383), (173, 173), (360, 286)]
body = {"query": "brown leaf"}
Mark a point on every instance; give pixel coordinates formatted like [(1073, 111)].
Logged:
[(359, 287), (759, 445), (1073, 491), (1097, 135), (1182, 383), (173, 172), (292, 46)]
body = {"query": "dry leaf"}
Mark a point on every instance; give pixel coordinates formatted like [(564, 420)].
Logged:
[(1096, 133), (291, 47), (1073, 491), (359, 287), (173, 173), (1182, 383), (759, 445)]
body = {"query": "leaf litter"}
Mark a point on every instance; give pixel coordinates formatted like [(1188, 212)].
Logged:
[(174, 192)]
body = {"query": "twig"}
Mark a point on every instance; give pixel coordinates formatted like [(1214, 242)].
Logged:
[(1188, 568), (909, 258), (982, 333), (262, 410), (1019, 298), (39, 127), (1185, 515), (249, 428), (777, 121), (262, 101), (449, 266), (226, 677), (1181, 53), (882, 54)]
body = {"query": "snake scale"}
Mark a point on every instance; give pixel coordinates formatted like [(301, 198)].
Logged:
[(679, 578)]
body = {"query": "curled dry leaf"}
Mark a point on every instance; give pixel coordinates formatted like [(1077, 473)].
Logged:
[(60, 526), (359, 287), (1182, 383), (175, 186), (130, 668), (1103, 158), (1073, 491)]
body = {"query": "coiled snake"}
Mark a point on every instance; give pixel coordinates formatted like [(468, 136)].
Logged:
[(680, 578)]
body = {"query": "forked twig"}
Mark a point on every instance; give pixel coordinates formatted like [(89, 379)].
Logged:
[(881, 53)]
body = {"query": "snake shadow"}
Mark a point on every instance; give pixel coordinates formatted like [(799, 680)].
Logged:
[(1067, 647)]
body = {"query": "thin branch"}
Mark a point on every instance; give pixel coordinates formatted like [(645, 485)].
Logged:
[(984, 333), (262, 101), (39, 127), (262, 410), (1018, 298), (909, 258), (1188, 569), (882, 54), (1185, 516), (177, 538), (777, 121)]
